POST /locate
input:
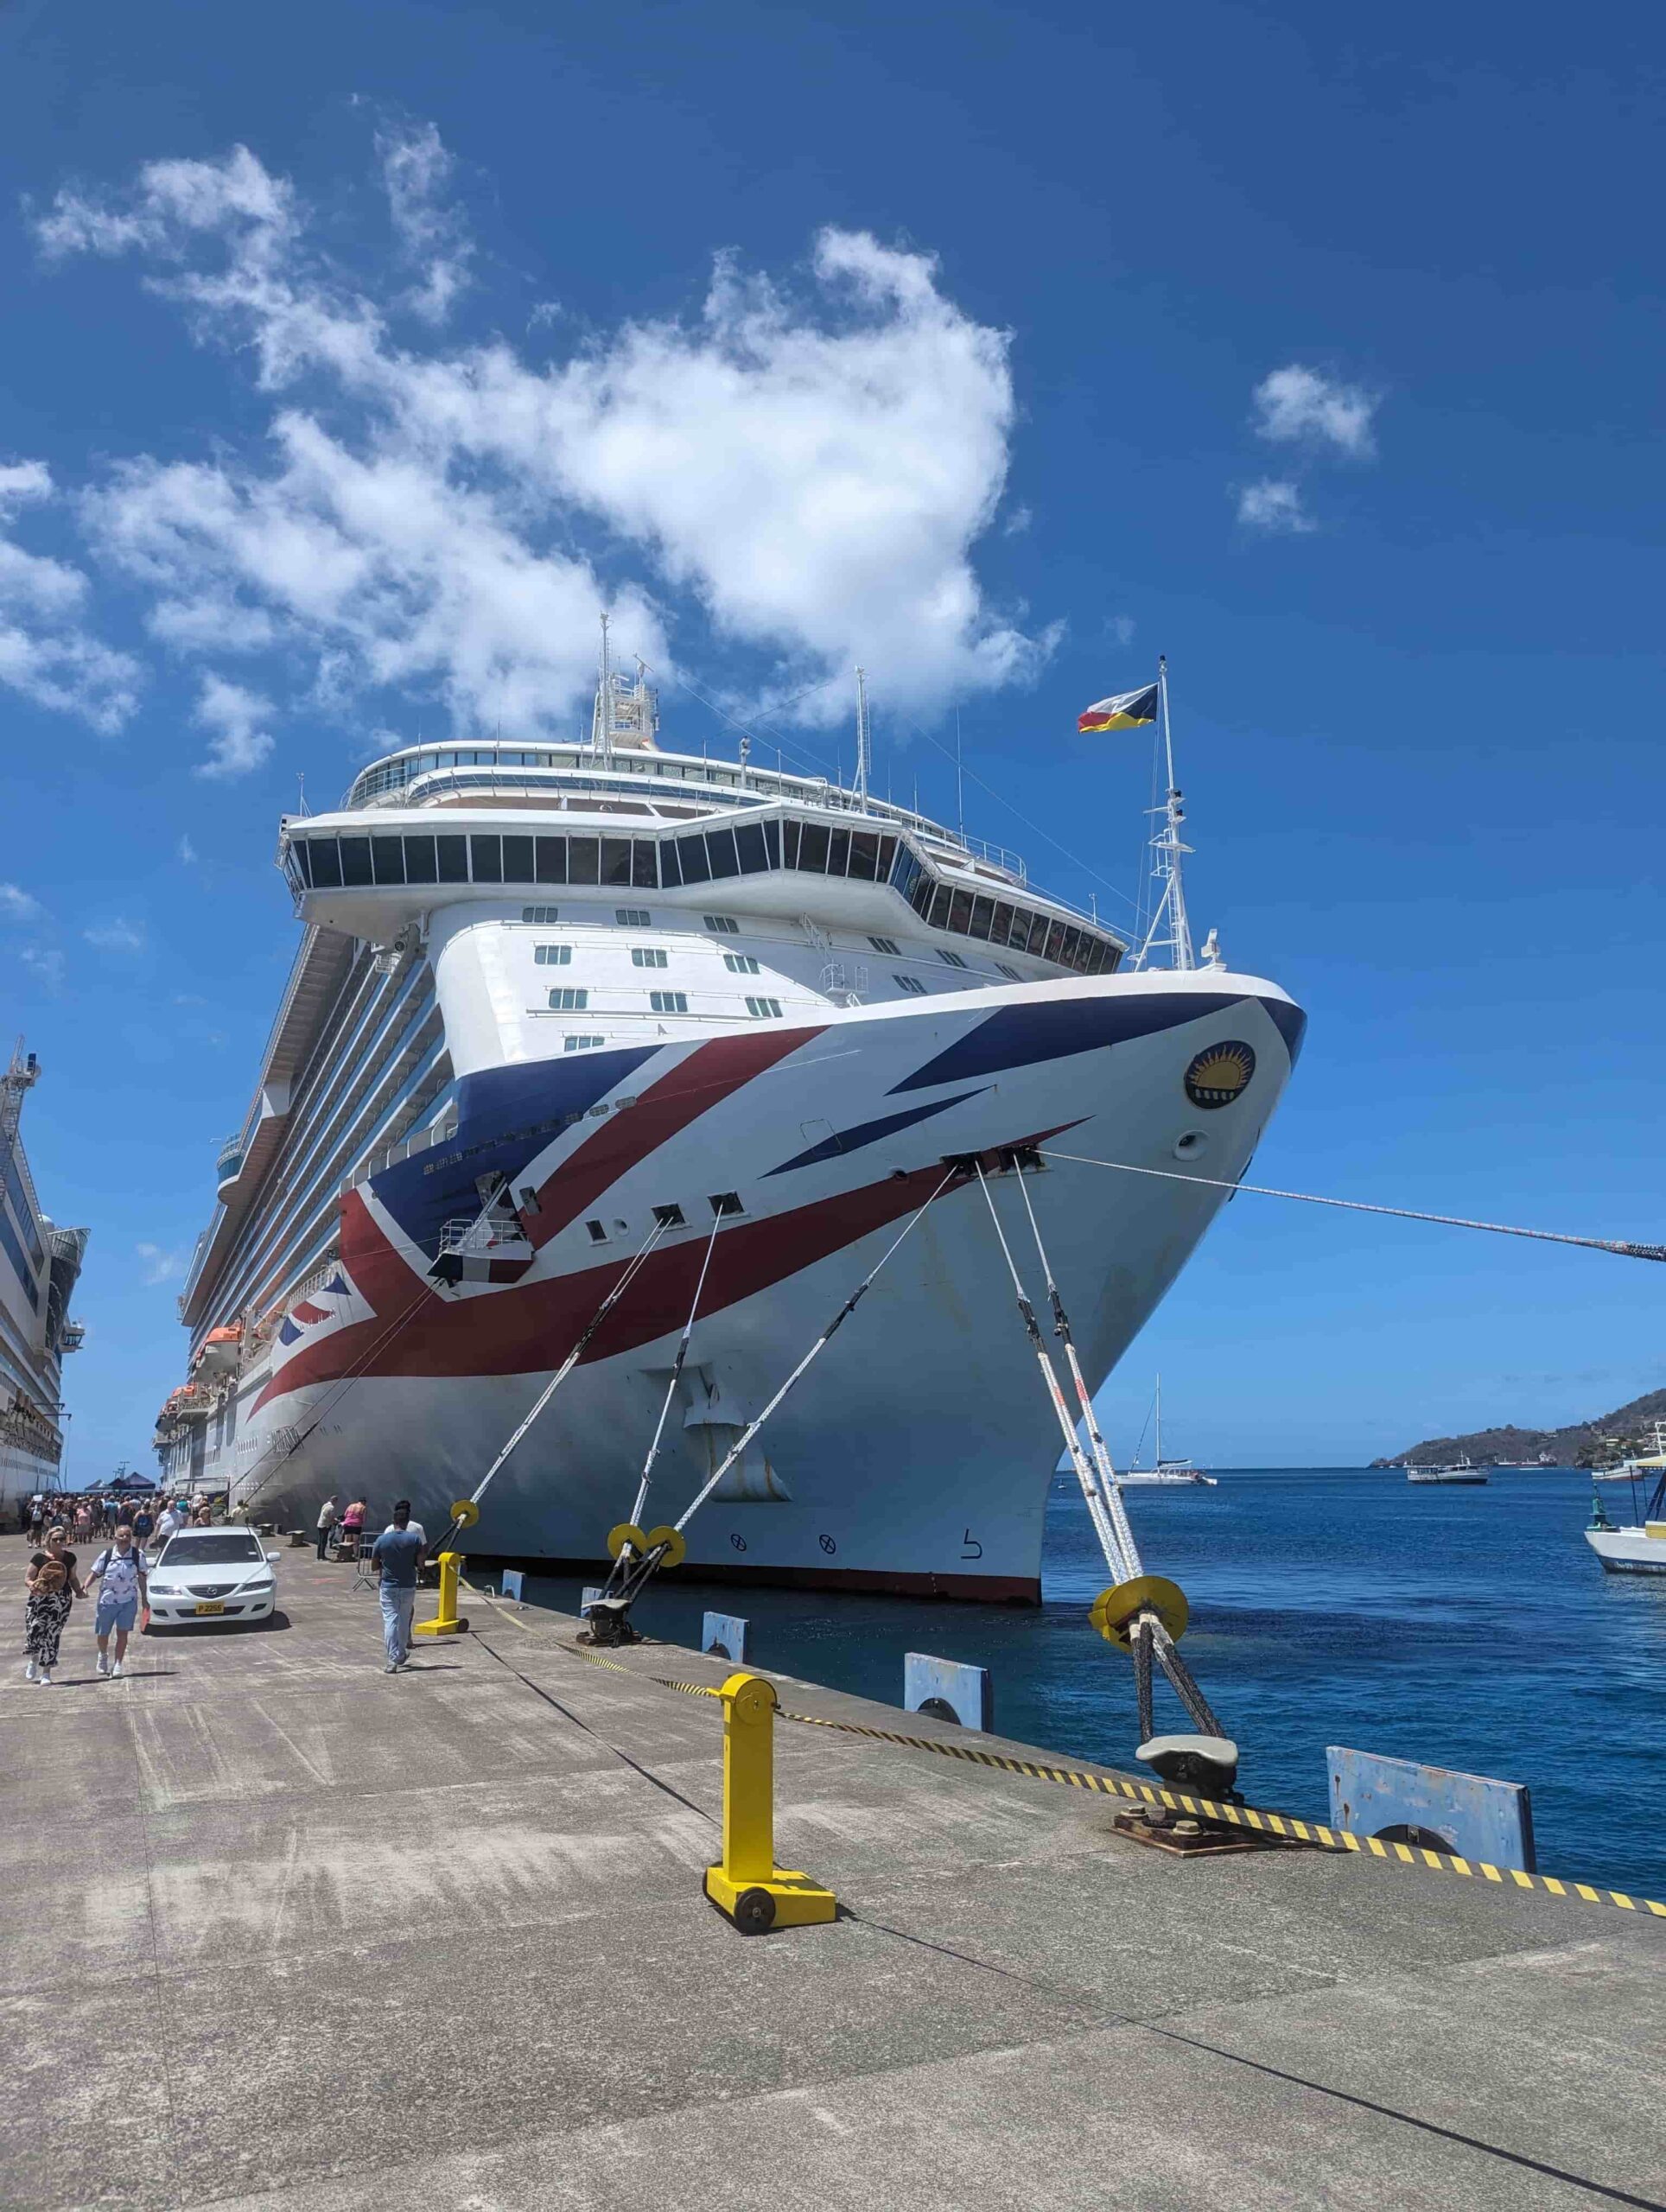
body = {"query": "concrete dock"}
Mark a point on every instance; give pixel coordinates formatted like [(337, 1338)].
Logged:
[(285, 1933)]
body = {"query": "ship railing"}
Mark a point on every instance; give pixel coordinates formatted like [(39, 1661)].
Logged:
[(478, 1236)]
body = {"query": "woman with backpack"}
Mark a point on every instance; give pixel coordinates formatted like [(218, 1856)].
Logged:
[(52, 1586)]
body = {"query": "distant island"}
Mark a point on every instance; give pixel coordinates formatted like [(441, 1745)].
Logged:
[(1585, 1444)]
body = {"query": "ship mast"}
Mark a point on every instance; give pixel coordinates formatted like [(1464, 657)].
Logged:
[(602, 731), (1171, 929), (864, 740)]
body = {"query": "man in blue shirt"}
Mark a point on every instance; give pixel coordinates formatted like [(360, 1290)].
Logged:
[(399, 1550)]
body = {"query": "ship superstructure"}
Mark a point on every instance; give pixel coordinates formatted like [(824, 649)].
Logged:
[(39, 1265), (549, 998)]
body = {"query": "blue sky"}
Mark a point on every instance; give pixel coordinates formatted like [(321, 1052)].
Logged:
[(347, 434)]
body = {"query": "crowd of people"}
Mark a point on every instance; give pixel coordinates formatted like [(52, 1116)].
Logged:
[(115, 1582), (88, 1516)]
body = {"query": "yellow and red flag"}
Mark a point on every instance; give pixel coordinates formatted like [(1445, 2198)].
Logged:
[(1127, 710)]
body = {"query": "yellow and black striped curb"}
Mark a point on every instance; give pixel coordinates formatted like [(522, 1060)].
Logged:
[(1254, 1817)]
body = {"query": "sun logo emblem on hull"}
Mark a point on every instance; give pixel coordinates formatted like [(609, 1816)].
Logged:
[(1219, 1074)]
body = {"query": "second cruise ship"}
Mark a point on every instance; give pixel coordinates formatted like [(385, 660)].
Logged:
[(554, 1001)]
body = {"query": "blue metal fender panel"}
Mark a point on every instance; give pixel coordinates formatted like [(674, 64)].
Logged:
[(1476, 1817)]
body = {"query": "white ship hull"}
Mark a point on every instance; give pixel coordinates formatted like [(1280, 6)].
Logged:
[(1630, 1551), (916, 1455)]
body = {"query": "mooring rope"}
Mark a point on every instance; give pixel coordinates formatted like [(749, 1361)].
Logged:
[(1626, 1249)]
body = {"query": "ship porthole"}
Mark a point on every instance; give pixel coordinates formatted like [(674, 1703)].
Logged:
[(1189, 1146)]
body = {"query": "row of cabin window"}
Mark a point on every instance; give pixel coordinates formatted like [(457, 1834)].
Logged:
[(574, 998), (748, 849)]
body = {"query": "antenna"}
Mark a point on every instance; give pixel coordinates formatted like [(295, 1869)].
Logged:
[(864, 742), (960, 786), (601, 732), (1169, 917)]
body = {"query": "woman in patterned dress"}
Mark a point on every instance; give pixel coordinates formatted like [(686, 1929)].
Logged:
[(53, 1587)]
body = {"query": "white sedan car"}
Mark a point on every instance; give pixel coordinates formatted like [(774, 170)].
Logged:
[(212, 1574)]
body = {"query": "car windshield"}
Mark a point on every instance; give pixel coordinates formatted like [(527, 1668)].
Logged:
[(211, 1547)]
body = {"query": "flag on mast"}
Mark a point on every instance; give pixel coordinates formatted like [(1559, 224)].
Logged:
[(1127, 710)]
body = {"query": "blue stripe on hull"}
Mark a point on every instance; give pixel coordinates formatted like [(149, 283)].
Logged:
[(505, 1117), (1019, 1036), (852, 1140)]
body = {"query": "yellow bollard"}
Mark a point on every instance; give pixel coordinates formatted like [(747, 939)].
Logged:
[(445, 1621), (746, 1884)]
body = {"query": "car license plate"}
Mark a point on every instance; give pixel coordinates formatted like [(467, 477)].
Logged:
[(210, 1606)]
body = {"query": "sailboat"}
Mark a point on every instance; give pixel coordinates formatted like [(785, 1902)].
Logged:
[(1165, 1470)]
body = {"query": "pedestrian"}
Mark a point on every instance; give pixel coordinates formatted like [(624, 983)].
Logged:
[(399, 1550), (52, 1586), (82, 1522), (142, 1524), (167, 1521), (120, 1571), (327, 1518), (352, 1529)]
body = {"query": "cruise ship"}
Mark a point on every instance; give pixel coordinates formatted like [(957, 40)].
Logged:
[(555, 1002), (39, 1265)]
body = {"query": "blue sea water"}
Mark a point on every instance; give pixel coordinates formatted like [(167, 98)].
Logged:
[(1470, 1628)]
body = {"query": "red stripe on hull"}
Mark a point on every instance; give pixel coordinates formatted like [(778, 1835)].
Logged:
[(971, 1589), (691, 1089), (531, 1329)]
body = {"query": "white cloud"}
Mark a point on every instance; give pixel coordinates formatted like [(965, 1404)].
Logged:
[(234, 715), (1121, 627), (46, 653), (22, 483), (810, 463), (187, 851), (17, 905), (1275, 507), (416, 170), (116, 935), (46, 963), (1295, 405), (159, 1266)]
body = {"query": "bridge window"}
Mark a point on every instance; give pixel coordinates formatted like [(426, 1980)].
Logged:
[(355, 861), (864, 854), (486, 855)]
